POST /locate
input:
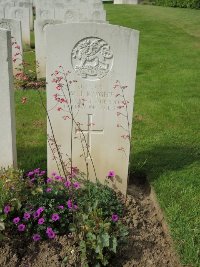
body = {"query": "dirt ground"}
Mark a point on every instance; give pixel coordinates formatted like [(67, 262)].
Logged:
[(148, 245)]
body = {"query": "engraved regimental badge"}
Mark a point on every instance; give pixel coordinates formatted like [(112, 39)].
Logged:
[(92, 58)]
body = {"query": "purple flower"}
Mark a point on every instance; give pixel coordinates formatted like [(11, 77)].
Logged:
[(49, 180), (40, 210), (55, 217), (27, 216), (53, 173), (16, 220), (41, 221), (58, 178), (67, 184), (76, 185), (61, 207), (69, 204), (36, 237), (115, 217), (75, 207), (48, 189), (42, 173), (50, 233), (7, 209), (21, 227), (36, 215), (37, 171), (111, 174), (49, 229), (30, 174)]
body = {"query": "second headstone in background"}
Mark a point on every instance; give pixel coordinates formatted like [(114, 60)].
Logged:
[(17, 51), (7, 108), (22, 14)]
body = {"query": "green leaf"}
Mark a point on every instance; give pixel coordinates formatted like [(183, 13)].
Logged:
[(2, 217), (98, 249), (113, 244), (72, 227), (65, 260), (90, 236), (105, 237), (2, 226)]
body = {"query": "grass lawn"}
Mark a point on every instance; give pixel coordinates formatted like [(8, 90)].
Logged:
[(166, 127)]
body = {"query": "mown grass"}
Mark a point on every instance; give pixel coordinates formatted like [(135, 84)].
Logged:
[(166, 125)]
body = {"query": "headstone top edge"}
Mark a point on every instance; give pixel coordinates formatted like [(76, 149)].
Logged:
[(101, 24)]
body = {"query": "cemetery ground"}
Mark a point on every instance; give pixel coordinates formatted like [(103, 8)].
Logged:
[(165, 134)]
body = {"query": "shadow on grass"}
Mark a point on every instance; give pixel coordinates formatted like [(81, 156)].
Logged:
[(32, 157), (151, 164)]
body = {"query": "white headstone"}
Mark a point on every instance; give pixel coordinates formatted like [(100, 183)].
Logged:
[(22, 14), (7, 108), (45, 12), (40, 45), (97, 55), (17, 50), (72, 11), (28, 5), (2, 15)]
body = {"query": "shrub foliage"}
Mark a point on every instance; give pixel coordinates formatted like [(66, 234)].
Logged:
[(179, 3)]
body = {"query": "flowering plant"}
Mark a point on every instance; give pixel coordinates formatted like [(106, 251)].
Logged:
[(25, 78), (70, 206), (11, 193)]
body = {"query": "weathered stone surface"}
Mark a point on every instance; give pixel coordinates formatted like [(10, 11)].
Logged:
[(22, 14), (97, 55), (17, 51), (40, 45), (7, 109)]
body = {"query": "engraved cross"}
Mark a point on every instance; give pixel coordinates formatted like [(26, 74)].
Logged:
[(89, 133)]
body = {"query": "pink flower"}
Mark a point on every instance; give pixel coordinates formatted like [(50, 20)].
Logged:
[(67, 184), (16, 220), (37, 171), (58, 177), (36, 215), (111, 174), (27, 216), (50, 233), (30, 173), (49, 180), (40, 210), (21, 227), (36, 237), (61, 207), (41, 221), (69, 204), (48, 189), (76, 185), (55, 217), (75, 207), (53, 173), (7, 209), (115, 217)]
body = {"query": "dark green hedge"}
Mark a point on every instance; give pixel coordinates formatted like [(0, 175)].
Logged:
[(178, 3)]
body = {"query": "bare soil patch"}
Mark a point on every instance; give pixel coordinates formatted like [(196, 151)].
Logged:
[(148, 245)]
